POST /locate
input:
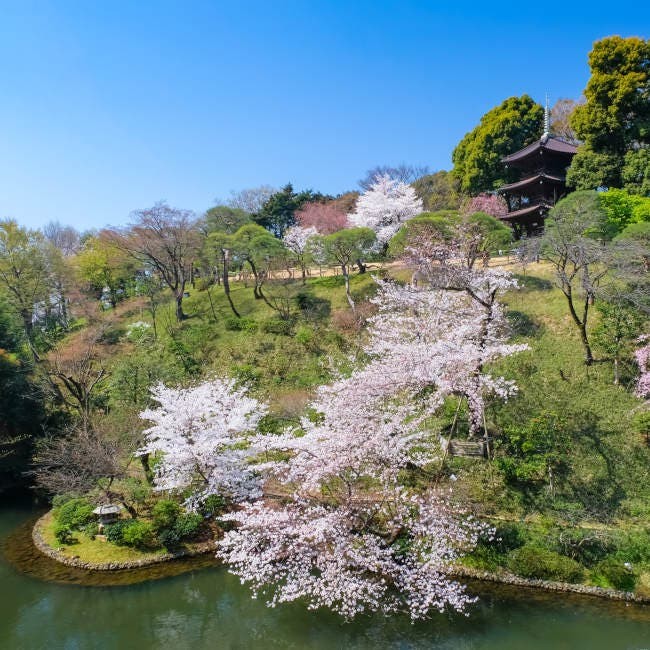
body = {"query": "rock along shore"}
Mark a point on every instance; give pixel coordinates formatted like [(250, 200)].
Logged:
[(458, 571), (548, 585)]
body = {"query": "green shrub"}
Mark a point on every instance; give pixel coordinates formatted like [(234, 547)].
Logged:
[(508, 537), (536, 562), (139, 534), (234, 324), (634, 547), (185, 527), (305, 335), (246, 373), (585, 546), (63, 534), (277, 326), (75, 513), (188, 525), (91, 529), (616, 574), (164, 514), (213, 505), (115, 532), (59, 499), (312, 307)]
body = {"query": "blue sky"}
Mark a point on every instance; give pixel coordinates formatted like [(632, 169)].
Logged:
[(107, 107)]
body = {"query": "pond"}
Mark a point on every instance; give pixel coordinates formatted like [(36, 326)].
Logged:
[(205, 607)]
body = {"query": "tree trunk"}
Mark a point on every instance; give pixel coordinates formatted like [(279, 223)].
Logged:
[(361, 266), (180, 315), (133, 513), (146, 467), (582, 326), (617, 373), (256, 285), (348, 295), (226, 283), (27, 316)]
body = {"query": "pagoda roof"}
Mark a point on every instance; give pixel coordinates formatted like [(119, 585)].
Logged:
[(531, 179), (543, 144), (531, 209)]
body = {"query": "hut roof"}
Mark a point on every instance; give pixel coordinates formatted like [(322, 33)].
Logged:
[(552, 144), (531, 180), (109, 509)]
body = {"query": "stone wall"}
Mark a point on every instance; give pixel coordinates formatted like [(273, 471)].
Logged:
[(548, 585), (458, 571)]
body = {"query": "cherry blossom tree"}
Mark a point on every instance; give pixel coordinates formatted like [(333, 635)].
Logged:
[(642, 356), (326, 217), (449, 264), (385, 206), (491, 204), (200, 435), (349, 535), (296, 239)]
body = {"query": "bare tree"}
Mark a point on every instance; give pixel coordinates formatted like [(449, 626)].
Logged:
[(403, 172), (74, 462), (560, 119), (65, 238), (76, 372), (78, 462), (168, 241), (580, 261), (251, 199)]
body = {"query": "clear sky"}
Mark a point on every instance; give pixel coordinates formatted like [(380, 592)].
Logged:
[(109, 106)]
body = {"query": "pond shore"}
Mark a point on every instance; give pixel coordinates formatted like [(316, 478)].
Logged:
[(42, 545), (209, 547)]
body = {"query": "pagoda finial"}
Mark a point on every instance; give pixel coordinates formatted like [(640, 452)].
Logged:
[(547, 120)]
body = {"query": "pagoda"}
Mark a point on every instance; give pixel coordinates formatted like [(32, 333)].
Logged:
[(542, 169)]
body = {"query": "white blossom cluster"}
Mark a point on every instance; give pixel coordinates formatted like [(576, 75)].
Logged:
[(344, 532), (296, 239), (199, 440), (352, 538), (385, 206)]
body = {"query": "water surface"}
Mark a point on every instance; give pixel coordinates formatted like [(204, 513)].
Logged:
[(205, 607)]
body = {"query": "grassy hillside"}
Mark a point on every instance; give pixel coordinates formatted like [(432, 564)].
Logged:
[(569, 472)]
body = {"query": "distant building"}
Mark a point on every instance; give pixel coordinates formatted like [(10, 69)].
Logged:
[(542, 166)]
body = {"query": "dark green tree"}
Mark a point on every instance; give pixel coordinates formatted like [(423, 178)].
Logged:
[(636, 171), (345, 248), (255, 246), (439, 191), (435, 226), (513, 124), (278, 213), (21, 408), (225, 219), (615, 119)]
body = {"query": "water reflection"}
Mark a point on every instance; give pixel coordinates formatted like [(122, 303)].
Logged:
[(208, 608)]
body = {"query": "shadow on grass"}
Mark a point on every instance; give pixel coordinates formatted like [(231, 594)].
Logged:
[(533, 282), (522, 324)]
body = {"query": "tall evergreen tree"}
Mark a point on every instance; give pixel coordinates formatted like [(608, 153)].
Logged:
[(614, 123), (513, 124)]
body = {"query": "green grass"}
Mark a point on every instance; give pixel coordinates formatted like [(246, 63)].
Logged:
[(95, 551), (603, 477)]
